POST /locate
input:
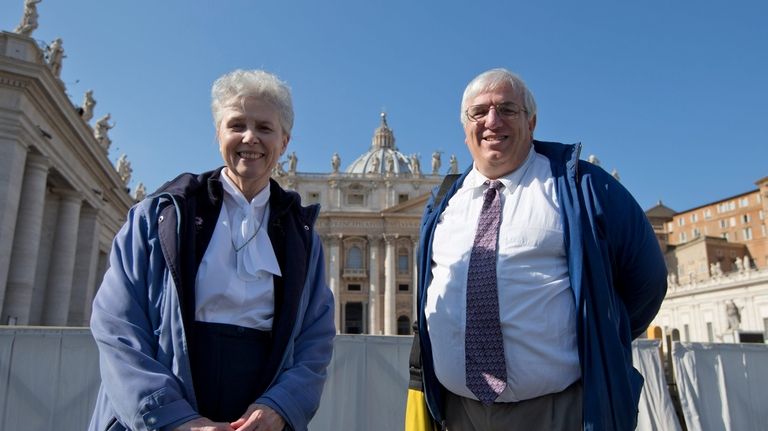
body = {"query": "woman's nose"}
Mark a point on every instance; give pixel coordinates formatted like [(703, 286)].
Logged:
[(249, 136)]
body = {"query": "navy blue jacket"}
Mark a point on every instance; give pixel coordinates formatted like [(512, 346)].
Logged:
[(617, 274)]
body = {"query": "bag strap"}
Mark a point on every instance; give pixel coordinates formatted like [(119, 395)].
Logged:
[(414, 361)]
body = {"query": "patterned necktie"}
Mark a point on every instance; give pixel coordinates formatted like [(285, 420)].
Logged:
[(486, 368)]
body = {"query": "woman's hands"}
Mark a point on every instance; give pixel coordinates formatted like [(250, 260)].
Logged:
[(259, 417)]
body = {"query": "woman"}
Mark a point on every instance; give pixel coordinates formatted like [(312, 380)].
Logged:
[(214, 314)]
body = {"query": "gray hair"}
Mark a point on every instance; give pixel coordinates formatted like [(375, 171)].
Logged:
[(234, 87), (491, 80)]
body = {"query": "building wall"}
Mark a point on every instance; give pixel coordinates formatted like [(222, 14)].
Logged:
[(63, 200)]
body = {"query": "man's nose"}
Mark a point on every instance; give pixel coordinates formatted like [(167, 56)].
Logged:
[(492, 119)]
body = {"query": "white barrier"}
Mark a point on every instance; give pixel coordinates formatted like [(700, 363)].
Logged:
[(49, 379), (722, 386)]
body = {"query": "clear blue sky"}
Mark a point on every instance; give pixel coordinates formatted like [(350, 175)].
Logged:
[(670, 93)]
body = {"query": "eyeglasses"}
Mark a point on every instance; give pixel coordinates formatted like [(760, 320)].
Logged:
[(508, 110)]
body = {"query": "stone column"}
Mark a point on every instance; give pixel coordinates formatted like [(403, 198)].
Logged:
[(12, 156), (390, 327), (26, 241), (373, 288), (334, 277), (415, 252), (84, 279), (60, 273)]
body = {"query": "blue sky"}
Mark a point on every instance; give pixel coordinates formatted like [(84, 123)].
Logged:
[(671, 94)]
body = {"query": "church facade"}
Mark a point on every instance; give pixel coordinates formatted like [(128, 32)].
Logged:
[(369, 225)]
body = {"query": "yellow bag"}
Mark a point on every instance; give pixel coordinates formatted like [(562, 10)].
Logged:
[(417, 417)]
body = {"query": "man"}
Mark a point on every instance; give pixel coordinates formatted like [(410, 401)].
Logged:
[(536, 271)]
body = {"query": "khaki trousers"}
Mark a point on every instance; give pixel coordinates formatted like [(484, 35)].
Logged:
[(553, 412)]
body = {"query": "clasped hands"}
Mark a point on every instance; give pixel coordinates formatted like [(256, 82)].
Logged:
[(258, 417)]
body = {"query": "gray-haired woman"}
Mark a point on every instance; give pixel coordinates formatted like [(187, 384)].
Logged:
[(214, 314)]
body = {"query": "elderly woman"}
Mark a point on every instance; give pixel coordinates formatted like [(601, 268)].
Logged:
[(214, 313)]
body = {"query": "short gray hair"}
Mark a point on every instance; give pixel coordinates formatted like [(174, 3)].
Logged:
[(234, 87), (491, 80)]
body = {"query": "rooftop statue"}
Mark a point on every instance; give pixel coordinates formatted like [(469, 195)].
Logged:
[(29, 19), (415, 165), (454, 165), (335, 163), (124, 169), (55, 53), (140, 193), (88, 104), (436, 163), (101, 129), (292, 162)]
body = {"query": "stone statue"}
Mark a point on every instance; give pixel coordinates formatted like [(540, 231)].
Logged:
[(29, 19), (390, 164), (734, 315), (88, 104), (335, 163), (55, 53), (375, 163), (615, 174), (278, 170), (436, 163), (292, 162), (673, 278), (140, 193), (718, 269), (739, 264), (124, 169), (593, 159), (453, 165), (101, 129), (746, 263), (415, 165)]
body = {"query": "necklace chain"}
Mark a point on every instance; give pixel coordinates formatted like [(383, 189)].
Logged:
[(261, 222)]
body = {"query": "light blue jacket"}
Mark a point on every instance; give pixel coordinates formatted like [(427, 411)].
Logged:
[(138, 318)]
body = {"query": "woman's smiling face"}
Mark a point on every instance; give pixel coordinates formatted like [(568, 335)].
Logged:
[(251, 141)]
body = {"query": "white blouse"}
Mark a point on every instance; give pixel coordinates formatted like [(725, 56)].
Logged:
[(234, 283)]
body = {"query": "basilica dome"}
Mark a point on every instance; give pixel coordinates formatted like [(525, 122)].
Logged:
[(383, 158)]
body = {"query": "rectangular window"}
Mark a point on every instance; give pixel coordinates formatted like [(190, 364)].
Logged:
[(732, 221), (686, 332), (725, 235), (732, 205), (710, 333), (354, 287), (761, 215), (694, 218), (313, 198), (402, 197), (355, 199), (683, 237), (681, 221), (747, 233), (707, 214), (402, 287), (744, 202), (723, 224), (696, 233), (745, 218), (762, 229)]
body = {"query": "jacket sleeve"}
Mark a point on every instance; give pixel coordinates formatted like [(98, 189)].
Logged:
[(637, 264), (296, 392), (125, 323)]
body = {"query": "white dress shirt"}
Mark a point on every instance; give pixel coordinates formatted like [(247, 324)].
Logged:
[(536, 303), (236, 287)]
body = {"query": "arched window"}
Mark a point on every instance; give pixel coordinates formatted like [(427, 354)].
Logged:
[(403, 325)]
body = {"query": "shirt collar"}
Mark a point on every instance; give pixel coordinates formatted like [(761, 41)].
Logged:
[(231, 190), (510, 181)]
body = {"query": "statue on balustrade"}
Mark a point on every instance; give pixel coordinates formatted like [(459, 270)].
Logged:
[(100, 131), (29, 19), (55, 53), (86, 111), (292, 162), (415, 165), (124, 169), (140, 193), (436, 163), (335, 163), (733, 314), (454, 165)]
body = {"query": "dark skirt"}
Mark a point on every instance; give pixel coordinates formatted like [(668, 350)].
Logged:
[(227, 362)]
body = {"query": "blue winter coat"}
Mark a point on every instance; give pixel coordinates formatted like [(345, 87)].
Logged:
[(617, 274), (145, 305)]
